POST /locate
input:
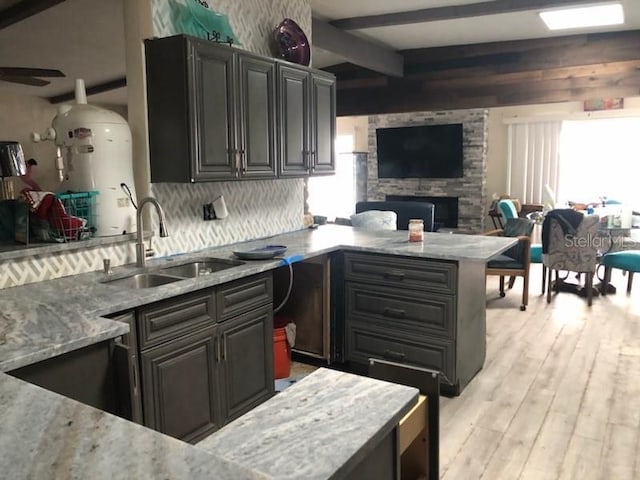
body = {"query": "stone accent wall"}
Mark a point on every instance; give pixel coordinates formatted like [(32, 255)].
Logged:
[(470, 189)]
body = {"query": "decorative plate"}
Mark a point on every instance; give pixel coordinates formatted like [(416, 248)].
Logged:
[(291, 43), (262, 253)]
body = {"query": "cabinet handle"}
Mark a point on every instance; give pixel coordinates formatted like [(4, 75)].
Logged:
[(238, 161), (216, 347), (394, 312), (243, 161), (224, 347), (134, 375), (394, 355), (394, 275)]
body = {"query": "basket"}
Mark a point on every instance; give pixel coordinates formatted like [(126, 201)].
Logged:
[(77, 205)]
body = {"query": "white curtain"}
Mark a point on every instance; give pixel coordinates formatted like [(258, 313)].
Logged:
[(533, 159)]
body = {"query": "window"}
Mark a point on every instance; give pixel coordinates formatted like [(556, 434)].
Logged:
[(335, 195), (600, 158)]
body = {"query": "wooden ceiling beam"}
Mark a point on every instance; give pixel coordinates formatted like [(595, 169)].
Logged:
[(93, 90), (453, 12), (357, 50), (24, 9)]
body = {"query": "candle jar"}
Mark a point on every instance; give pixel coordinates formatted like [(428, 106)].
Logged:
[(416, 230)]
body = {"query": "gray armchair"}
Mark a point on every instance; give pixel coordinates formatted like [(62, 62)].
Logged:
[(404, 210), (570, 249)]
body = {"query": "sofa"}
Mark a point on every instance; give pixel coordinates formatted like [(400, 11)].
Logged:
[(404, 211)]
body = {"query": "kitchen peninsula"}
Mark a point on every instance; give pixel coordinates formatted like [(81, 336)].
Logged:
[(47, 319)]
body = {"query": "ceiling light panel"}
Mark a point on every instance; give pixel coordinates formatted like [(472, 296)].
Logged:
[(581, 17)]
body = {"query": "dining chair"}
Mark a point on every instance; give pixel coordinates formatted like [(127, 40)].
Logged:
[(507, 210), (627, 260), (570, 248), (516, 261)]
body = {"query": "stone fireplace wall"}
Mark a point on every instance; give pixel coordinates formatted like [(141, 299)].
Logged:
[(470, 189)]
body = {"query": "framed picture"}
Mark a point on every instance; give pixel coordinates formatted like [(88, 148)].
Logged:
[(603, 104)]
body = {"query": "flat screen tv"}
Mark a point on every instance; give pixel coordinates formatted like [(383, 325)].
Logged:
[(426, 151)]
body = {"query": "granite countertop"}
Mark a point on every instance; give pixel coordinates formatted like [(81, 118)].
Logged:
[(45, 434), (321, 427), (45, 319)]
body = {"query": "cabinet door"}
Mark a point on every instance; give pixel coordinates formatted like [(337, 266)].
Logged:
[(247, 361), (127, 370), (179, 386), (257, 117), (213, 136), (294, 121), (323, 124)]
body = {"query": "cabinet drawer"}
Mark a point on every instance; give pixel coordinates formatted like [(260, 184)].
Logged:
[(169, 319), (242, 295), (365, 341), (411, 311), (435, 276)]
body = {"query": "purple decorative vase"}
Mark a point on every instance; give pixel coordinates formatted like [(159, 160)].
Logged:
[(290, 43)]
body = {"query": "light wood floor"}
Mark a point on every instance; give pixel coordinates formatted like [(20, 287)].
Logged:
[(559, 394)]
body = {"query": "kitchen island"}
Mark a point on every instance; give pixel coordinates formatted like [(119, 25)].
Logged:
[(323, 427), (44, 320)]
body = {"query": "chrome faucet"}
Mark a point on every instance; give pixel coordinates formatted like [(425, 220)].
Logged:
[(141, 252)]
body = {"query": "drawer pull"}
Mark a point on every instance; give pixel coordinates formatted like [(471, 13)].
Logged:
[(394, 355), (394, 275), (394, 313)]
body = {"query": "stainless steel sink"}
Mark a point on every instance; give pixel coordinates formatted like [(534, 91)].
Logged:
[(143, 280), (205, 266)]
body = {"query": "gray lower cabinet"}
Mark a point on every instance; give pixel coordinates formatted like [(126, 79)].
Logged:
[(206, 357), (424, 312), (180, 386), (246, 361), (128, 370), (86, 375)]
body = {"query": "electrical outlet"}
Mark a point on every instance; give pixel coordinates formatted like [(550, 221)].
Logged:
[(208, 212)]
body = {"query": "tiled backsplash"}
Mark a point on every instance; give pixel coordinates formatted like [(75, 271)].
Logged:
[(257, 209), (471, 189)]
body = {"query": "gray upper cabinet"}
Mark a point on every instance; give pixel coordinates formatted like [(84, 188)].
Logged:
[(219, 113), (306, 114), (256, 148), (212, 114), (323, 124), (294, 121)]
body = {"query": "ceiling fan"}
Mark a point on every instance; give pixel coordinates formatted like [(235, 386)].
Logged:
[(28, 76)]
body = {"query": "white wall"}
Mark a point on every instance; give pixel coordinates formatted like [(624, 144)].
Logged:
[(19, 116), (358, 127)]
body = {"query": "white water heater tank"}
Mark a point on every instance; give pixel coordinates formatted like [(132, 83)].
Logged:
[(96, 147)]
